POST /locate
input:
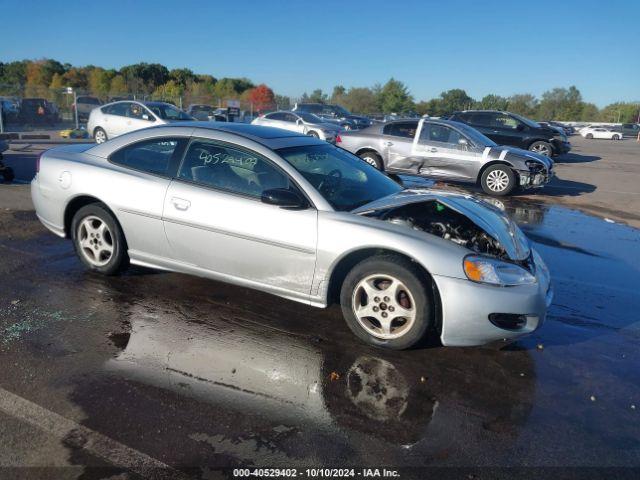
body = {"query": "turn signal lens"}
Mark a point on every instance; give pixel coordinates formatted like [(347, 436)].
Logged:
[(472, 271), (338, 139)]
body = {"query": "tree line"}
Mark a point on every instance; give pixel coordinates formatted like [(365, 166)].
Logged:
[(33, 78)]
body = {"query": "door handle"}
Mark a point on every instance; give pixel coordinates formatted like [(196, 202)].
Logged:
[(433, 149), (388, 144), (180, 203)]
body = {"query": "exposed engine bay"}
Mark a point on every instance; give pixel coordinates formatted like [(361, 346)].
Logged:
[(435, 218)]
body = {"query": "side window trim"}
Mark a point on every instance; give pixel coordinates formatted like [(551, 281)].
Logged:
[(224, 144)]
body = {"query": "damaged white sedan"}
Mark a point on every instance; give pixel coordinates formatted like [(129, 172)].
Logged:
[(294, 216)]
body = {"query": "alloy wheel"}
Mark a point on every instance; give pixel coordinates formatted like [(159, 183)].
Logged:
[(384, 306), (95, 241), (100, 137), (497, 180), (542, 149)]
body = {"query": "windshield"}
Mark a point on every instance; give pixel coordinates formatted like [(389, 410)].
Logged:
[(345, 181), (526, 121), (309, 117), (475, 136), (338, 110), (168, 112)]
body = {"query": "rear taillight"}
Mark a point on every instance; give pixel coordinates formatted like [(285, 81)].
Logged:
[(338, 139)]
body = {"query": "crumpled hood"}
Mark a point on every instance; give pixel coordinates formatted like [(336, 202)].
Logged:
[(489, 218)]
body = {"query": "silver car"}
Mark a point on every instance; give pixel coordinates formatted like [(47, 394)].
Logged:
[(300, 122), (297, 217), (443, 149), (117, 118)]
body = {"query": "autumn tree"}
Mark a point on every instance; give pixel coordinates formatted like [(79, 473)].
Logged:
[(261, 97)]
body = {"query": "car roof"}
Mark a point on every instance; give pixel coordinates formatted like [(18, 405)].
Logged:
[(270, 137)]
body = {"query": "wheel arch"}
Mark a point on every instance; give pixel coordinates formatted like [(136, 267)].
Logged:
[(367, 149), (343, 265), (79, 201), (492, 163)]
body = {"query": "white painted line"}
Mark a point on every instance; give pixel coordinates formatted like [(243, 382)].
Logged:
[(110, 450)]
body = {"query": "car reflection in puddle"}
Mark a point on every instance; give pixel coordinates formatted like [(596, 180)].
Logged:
[(423, 402)]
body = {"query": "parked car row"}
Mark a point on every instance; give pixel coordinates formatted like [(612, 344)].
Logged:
[(301, 122), (33, 111)]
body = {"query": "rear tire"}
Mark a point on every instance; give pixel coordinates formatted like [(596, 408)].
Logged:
[(396, 286), (498, 180), (589, 136), (616, 137), (313, 134), (373, 159), (99, 135), (8, 174), (98, 240)]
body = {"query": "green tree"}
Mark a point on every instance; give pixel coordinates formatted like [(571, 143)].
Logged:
[(394, 97), (589, 112), (455, 99), (99, 81), (493, 102), (360, 100), (182, 76), (318, 96), (524, 104), (560, 104), (118, 86), (624, 112), (282, 102)]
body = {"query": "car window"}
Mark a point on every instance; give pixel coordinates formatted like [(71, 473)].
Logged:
[(482, 119), (118, 109), (232, 169), (290, 117), (152, 156), (505, 121), (432, 132), (136, 111), (401, 129), (276, 116)]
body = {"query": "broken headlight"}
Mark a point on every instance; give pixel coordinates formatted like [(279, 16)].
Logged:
[(495, 272)]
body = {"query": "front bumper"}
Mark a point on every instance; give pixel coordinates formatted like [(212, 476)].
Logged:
[(560, 147), (534, 179), (466, 307)]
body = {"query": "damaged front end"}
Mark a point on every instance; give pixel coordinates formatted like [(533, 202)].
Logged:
[(461, 219)]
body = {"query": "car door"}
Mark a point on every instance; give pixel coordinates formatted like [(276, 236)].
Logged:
[(114, 119), (215, 221), (443, 153), (295, 123), (277, 120), (507, 130), (138, 117), (481, 121), (144, 172), (397, 147)]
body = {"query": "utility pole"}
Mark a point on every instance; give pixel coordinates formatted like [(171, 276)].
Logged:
[(1, 119), (75, 108)]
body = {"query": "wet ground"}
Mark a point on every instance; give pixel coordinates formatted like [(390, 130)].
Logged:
[(161, 373)]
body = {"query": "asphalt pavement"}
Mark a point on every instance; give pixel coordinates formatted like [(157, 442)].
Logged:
[(155, 374)]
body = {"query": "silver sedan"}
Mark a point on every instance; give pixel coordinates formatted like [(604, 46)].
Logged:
[(300, 122), (297, 217)]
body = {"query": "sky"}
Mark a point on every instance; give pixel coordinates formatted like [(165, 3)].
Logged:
[(501, 47)]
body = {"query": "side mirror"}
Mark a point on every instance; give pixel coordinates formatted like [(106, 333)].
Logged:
[(283, 197), (463, 142), (299, 121), (520, 127)]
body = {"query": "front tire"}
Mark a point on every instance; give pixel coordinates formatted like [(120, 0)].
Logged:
[(498, 180), (386, 302), (8, 174), (589, 136), (372, 159), (616, 137), (98, 240), (543, 148), (99, 135), (313, 134)]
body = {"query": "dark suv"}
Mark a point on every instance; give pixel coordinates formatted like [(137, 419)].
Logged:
[(507, 128), (335, 114)]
